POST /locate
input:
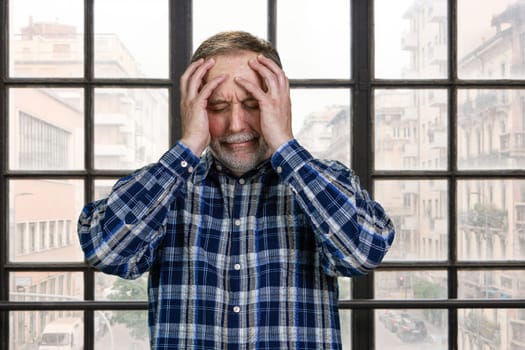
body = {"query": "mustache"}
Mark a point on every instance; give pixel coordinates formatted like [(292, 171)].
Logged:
[(237, 138)]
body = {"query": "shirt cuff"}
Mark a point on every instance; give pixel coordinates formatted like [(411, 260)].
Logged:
[(289, 158), (180, 160)]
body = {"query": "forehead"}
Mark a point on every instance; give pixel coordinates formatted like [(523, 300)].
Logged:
[(234, 64)]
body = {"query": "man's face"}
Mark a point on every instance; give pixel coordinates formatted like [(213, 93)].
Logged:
[(234, 115)]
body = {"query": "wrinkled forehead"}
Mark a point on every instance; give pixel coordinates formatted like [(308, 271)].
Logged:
[(234, 64)]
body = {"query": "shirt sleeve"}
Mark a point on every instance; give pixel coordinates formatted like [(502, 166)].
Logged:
[(121, 233), (353, 231)]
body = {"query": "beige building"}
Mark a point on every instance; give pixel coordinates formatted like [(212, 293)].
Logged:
[(326, 133), (46, 132), (411, 133)]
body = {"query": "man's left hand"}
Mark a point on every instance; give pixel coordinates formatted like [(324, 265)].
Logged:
[(274, 101)]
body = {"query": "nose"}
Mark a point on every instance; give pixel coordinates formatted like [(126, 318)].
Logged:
[(237, 118)]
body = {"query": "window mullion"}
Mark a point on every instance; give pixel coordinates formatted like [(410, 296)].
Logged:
[(4, 228), (452, 123), (180, 39), (361, 29)]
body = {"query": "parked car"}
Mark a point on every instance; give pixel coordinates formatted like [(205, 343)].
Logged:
[(391, 319), (411, 330), (63, 334)]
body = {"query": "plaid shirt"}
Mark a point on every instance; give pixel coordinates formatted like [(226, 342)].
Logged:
[(245, 262)]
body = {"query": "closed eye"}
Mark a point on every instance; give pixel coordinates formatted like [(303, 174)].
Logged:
[(218, 106), (251, 104)]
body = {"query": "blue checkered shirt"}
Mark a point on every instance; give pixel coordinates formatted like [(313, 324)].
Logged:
[(245, 262)]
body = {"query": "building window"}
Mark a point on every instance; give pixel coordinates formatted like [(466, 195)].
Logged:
[(42, 145)]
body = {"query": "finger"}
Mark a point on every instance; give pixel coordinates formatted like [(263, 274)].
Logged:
[(194, 81), (271, 65), (269, 78), (208, 88), (253, 89), (188, 73), (272, 74)]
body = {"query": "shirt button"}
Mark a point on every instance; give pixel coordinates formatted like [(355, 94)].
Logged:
[(219, 167), (236, 309), (184, 164), (237, 267), (190, 169), (279, 170), (237, 222), (242, 181)]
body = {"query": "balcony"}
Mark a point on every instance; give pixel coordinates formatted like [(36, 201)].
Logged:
[(409, 113), (437, 126), (438, 139), (513, 143), (439, 226), (410, 73), (518, 333), (410, 150), (520, 213), (437, 99), (410, 223), (483, 328), (409, 41), (410, 187), (487, 220), (439, 11), (437, 54)]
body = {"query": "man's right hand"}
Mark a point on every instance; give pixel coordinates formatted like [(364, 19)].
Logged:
[(194, 100)]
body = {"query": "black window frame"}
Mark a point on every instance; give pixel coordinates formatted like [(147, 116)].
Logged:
[(361, 84)]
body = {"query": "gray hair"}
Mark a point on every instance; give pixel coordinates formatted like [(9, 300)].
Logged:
[(231, 42)]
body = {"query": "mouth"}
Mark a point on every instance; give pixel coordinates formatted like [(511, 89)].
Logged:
[(239, 141)]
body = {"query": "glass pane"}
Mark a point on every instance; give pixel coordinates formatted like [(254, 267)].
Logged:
[(491, 284), (495, 329), (411, 39), (345, 288), (46, 38), (491, 220), (345, 317), (490, 44), (46, 330), (419, 210), (135, 42), (211, 17), (46, 286), (120, 329), (411, 329), (131, 127), (114, 288), (411, 285), (321, 122), (103, 188), (43, 218), (46, 129), (410, 129), (491, 129), (314, 39)]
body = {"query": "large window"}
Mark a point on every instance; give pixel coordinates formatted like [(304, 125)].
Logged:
[(424, 99)]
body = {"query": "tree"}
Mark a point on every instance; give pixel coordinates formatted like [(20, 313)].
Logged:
[(135, 321)]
